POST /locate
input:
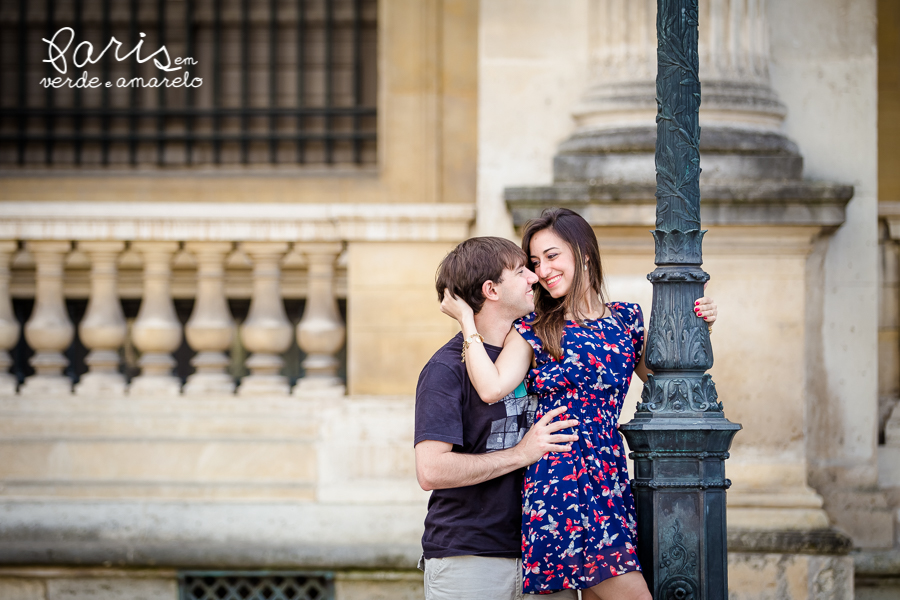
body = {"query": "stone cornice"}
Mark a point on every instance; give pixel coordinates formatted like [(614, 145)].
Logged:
[(203, 221), (796, 203)]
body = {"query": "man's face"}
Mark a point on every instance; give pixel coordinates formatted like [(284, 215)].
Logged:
[(516, 291)]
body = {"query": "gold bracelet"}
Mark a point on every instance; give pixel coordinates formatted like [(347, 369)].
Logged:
[(709, 328), (472, 339)]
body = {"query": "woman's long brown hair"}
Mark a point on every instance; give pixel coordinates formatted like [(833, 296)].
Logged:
[(550, 321)]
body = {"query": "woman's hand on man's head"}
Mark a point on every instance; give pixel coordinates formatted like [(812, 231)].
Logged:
[(455, 307)]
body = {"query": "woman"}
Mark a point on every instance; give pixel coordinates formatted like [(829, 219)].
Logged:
[(578, 523)]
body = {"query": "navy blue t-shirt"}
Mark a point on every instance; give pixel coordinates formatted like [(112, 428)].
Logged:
[(483, 519)]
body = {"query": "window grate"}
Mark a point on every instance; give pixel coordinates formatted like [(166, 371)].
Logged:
[(251, 585), (283, 82)]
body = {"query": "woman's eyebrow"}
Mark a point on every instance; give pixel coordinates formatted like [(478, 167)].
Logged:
[(545, 251)]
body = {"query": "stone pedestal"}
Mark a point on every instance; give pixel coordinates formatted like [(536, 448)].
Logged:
[(765, 223), (809, 565)]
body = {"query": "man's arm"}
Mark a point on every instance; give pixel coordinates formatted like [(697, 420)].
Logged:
[(438, 467)]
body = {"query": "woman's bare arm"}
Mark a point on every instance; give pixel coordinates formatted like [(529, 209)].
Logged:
[(493, 380)]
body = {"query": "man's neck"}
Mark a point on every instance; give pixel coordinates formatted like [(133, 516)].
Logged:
[(493, 326)]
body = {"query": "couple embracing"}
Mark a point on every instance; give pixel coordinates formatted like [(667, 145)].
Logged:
[(516, 422)]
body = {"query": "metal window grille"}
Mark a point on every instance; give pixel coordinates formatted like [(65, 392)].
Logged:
[(254, 586), (283, 82)]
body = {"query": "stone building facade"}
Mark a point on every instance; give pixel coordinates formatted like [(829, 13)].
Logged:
[(293, 297)]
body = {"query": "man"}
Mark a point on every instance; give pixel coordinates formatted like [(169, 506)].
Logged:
[(472, 454)]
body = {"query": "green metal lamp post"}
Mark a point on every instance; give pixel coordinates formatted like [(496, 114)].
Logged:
[(679, 436)]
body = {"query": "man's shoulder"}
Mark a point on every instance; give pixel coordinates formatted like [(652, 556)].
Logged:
[(450, 354), (447, 359)]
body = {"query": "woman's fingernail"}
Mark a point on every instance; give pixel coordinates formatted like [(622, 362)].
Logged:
[(697, 302)]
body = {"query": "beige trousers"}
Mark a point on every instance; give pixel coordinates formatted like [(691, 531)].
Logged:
[(480, 578)]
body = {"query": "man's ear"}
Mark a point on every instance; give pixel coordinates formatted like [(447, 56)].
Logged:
[(489, 290)]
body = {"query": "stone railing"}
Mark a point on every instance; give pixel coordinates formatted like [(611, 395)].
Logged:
[(208, 272), (161, 285)]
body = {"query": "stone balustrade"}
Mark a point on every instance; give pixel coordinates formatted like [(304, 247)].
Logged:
[(209, 275)]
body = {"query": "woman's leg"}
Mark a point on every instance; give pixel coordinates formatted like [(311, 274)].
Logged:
[(630, 586)]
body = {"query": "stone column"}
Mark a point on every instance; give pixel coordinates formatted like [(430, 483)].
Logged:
[(320, 333), (734, 65), (740, 116), (103, 329), (266, 333), (49, 330), (9, 325), (156, 331), (210, 329)]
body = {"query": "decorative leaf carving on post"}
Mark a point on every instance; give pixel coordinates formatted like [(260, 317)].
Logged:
[(679, 435)]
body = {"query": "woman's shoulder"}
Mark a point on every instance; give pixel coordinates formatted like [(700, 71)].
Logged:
[(624, 306), (525, 328), (527, 319), (630, 312), (524, 324)]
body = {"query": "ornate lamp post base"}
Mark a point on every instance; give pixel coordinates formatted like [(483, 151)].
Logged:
[(679, 490)]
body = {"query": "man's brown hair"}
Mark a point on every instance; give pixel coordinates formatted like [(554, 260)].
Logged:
[(473, 262)]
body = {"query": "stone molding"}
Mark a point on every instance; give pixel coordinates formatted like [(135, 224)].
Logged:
[(776, 203), (227, 535), (819, 541), (248, 222), (876, 564), (210, 535)]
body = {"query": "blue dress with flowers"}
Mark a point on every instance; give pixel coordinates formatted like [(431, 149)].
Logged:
[(578, 521)]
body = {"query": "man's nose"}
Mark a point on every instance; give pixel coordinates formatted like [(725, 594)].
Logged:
[(532, 278)]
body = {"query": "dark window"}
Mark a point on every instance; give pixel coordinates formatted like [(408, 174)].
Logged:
[(283, 82), (199, 585)]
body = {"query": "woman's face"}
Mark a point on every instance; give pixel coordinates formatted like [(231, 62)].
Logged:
[(553, 261)]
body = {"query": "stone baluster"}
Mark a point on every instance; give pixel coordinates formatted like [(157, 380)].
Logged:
[(49, 331), (103, 329), (156, 331), (320, 333), (210, 329), (266, 333), (9, 325)]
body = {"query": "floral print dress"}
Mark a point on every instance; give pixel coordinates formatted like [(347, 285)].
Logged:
[(578, 521)]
